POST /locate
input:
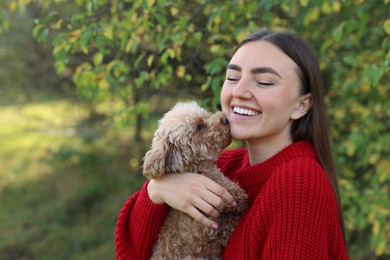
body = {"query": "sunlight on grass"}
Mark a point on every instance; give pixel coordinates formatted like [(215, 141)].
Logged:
[(26, 135), (63, 180)]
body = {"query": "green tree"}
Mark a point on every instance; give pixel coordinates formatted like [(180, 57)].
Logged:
[(130, 49)]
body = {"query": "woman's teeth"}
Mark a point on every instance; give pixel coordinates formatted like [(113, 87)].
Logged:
[(244, 111)]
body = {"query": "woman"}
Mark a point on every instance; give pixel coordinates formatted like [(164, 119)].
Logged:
[(273, 98)]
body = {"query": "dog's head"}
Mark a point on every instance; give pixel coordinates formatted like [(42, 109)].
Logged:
[(186, 134)]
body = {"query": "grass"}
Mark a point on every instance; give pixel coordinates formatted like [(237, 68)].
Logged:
[(63, 180)]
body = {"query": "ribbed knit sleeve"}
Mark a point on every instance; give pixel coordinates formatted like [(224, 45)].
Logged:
[(138, 225)]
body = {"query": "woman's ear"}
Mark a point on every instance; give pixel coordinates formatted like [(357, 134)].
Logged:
[(304, 104)]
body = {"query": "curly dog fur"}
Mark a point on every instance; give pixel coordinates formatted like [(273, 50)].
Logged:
[(190, 139)]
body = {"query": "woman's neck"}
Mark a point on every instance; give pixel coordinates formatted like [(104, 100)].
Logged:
[(261, 150)]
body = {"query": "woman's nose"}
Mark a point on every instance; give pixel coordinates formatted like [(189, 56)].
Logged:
[(241, 90)]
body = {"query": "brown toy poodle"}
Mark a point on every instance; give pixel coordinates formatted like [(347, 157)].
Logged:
[(190, 139)]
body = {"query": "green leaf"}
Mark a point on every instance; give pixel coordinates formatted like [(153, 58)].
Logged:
[(338, 32), (161, 19), (36, 30), (43, 35), (351, 61), (373, 74)]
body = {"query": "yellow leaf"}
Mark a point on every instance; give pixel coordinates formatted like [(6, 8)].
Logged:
[(380, 249), (374, 158), (384, 169), (336, 6), (171, 53), (217, 20), (276, 22), (85, 50), (311, 16), (128, 46), (191, 28), (214, 48), (85, 66), (372, 216), (107, 31), (150, 2), (134, 163), (326, 8), (150, 61), (101, 81), (174, 11), (304, 2), (216, 28), (159, 28), (12, 6), (58, 24), (100, 76), (103, 84), (376, 228), (74, 35), (386, 26), (366, 88), (180, 71), (285, 7), (242, 35), (97, 58), (351, 148)]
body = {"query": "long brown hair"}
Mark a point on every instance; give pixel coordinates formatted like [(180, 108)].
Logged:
[(313, 127)]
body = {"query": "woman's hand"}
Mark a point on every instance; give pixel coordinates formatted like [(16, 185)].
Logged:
[(194, 194)]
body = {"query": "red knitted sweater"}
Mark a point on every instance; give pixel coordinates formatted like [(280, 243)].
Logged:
[(292, 214)]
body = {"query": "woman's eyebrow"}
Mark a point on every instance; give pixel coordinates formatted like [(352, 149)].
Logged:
[(260, 70), (257, 70), (233, 67)]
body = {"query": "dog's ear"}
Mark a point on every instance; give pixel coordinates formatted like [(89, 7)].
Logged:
[(164, 157)]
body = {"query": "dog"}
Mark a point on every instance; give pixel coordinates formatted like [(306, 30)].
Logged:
[(190, 139)]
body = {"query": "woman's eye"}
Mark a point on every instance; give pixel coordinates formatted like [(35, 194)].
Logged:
[(231, 78), (265, 83)]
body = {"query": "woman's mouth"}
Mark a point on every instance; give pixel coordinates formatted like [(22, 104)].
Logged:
[(245, 111)]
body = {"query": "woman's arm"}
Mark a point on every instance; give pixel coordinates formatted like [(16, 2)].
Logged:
[(138, 225), (142, 216)]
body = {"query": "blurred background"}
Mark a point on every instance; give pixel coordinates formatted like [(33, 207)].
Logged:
[(83, 83)]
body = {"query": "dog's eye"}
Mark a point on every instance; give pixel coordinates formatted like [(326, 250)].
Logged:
[(200, 127)]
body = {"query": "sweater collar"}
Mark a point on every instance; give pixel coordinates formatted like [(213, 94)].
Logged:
[(249, 176)]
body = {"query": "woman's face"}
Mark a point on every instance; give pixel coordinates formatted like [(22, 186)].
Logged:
[(261, 94)]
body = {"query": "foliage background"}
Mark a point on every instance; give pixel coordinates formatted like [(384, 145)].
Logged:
[(83, 83)]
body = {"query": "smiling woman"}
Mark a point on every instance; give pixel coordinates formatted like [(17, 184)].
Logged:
[(272, 97)]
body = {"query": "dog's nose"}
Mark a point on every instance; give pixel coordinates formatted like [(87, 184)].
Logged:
[(225, 121)]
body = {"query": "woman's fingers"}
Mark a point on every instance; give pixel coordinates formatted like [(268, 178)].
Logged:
[(201, 218), (194, 194), (221, 197), (206, 208)]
